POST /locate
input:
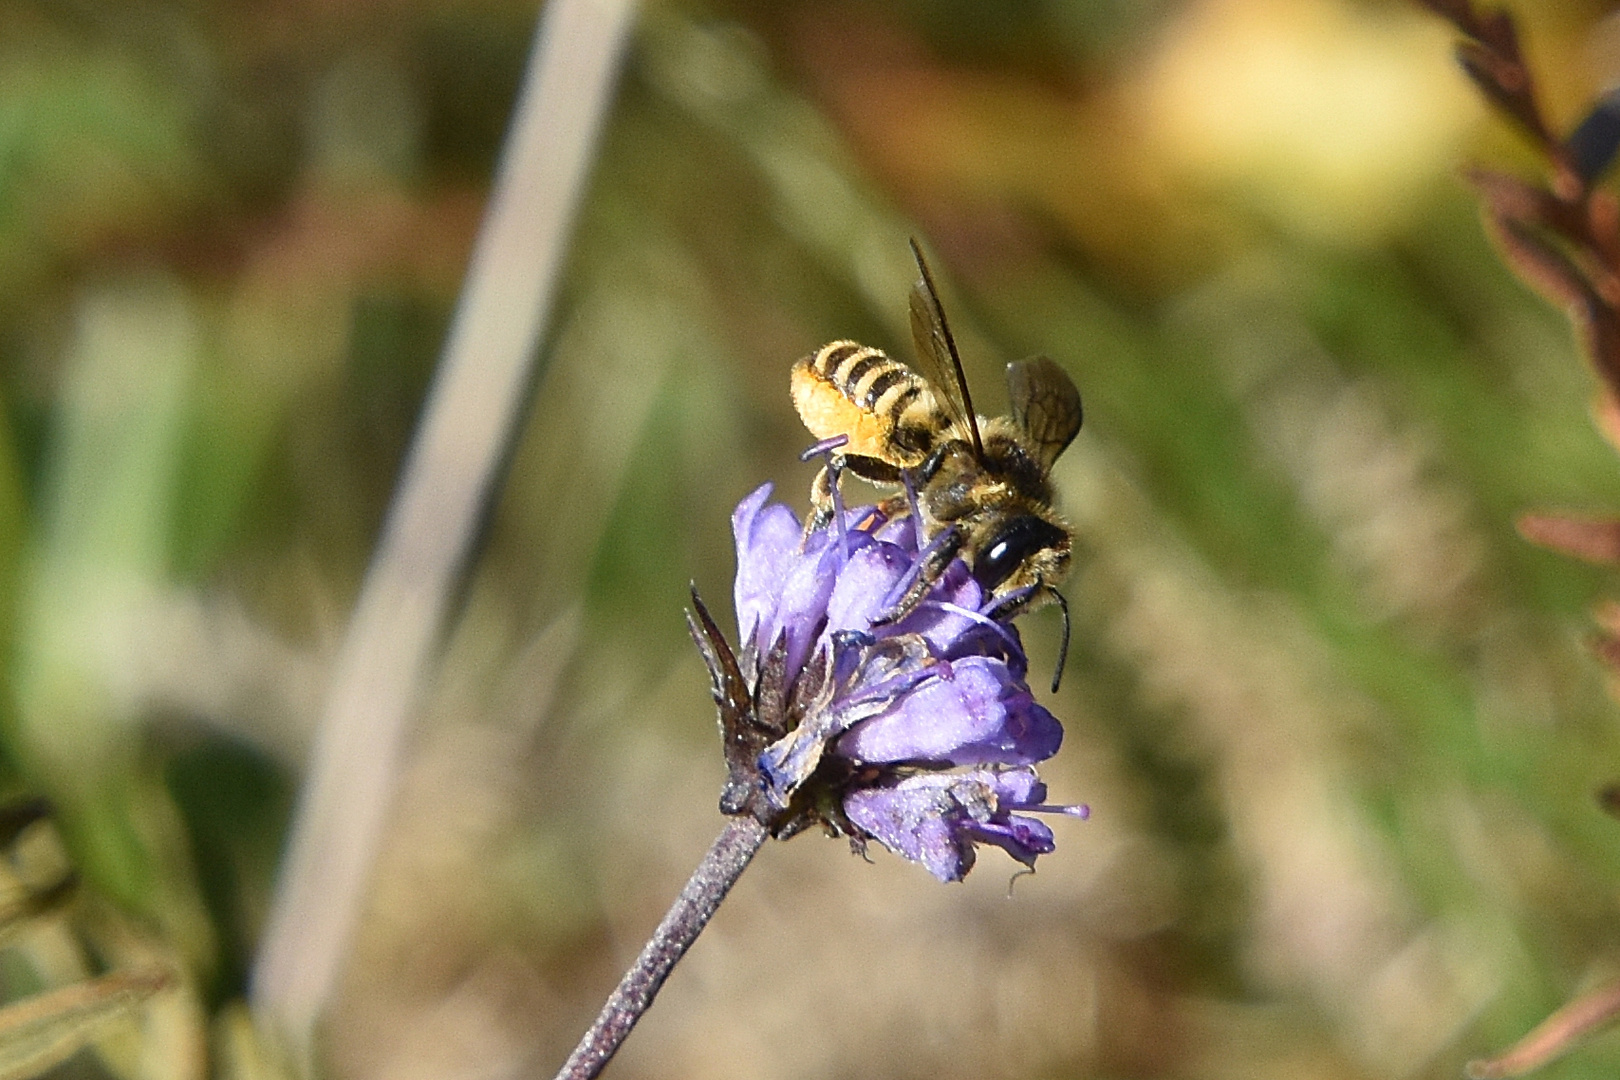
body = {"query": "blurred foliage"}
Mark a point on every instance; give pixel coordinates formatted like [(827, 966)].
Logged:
[(1337, 723)]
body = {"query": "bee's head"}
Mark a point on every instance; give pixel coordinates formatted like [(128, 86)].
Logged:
[(1023, 550), (1021, 563)]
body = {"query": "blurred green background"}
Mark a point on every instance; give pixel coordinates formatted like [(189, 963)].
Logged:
[(1338, 725)]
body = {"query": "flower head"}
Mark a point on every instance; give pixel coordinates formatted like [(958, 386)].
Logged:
[(919, 732)]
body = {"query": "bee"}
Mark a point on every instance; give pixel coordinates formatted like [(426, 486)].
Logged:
[(980, 489)]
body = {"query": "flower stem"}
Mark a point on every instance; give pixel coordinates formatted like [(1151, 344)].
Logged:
[(687, 917)]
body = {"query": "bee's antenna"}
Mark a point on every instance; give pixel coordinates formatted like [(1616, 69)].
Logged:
[(950, 346), (1063, 647)]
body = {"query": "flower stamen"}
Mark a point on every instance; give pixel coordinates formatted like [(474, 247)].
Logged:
[(1013, 644)]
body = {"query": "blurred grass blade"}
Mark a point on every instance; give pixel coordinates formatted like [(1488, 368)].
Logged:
[(466, 426), (43, 1031), (100, 556), (1553, 1036), (240, 1050)]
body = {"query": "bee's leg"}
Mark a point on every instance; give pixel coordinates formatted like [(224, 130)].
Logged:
[(1012, 604), (821, 500), (931, 465), (930, 565), (893, 507), (827, 500), (1017, 601)]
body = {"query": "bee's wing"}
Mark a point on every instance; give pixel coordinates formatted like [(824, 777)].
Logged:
[(1045, 405), (937, 359)]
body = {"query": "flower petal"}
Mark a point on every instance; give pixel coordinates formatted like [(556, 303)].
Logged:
[(801, 608), (901, 532), (977, 714), (1024, 838), (945, 629), (936, 818), (857, 598), (767, 540), (913, 819)]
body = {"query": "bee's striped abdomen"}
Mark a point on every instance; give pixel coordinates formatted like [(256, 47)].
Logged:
[(886, 410)]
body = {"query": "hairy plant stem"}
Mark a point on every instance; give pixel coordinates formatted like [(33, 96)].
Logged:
[(687, 917)]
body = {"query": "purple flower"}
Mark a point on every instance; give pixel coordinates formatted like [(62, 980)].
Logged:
[(937, 818), (919, 733)]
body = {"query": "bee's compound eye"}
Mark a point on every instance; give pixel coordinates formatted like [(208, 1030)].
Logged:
[(1009, 548)]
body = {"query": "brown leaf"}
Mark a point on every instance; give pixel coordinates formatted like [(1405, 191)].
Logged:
[(1552, 273), (1602, 340), (1539, 264), (1606, 415), (1492, 59), (43, 1031), (1595, 540), (1515, 200), (1497, 30), (1506, 84), (1603, 226)]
